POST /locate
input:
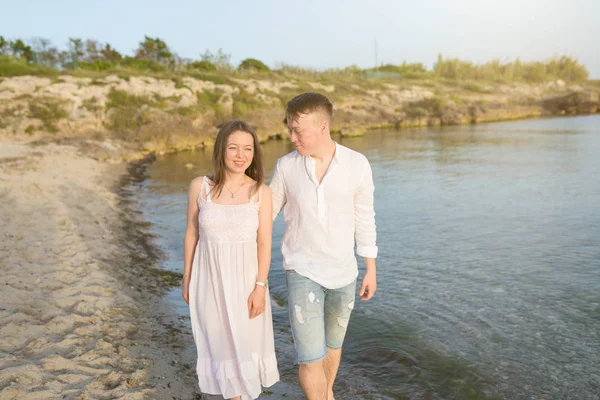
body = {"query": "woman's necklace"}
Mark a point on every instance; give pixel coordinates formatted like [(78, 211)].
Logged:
[(233, 193)]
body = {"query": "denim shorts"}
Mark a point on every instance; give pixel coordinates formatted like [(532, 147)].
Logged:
[(319, 316)]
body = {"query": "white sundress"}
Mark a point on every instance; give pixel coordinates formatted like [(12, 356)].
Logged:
[(236, 354)]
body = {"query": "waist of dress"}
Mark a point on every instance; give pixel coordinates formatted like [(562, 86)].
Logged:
[(226, 241)]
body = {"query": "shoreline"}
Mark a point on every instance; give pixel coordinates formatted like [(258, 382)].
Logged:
[(364, 132), (119, 152), (82, 313)]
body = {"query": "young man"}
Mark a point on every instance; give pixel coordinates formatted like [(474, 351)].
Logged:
[(326, 193)]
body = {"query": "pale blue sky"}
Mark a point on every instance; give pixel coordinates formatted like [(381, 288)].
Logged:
[(324, 33)]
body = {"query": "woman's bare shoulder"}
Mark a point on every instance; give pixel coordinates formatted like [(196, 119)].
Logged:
[(265, 189), (196, 184)]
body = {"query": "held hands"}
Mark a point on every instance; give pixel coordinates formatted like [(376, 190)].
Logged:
[(369, 285), (257, 301)]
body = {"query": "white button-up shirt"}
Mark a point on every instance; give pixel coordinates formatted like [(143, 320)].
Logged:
[(322, 220)]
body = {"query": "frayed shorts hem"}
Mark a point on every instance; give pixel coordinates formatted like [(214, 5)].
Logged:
[(313, 360)]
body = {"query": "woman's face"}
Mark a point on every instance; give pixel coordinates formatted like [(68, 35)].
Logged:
[(239, 152)]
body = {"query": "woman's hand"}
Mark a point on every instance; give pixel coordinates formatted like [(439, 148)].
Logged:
[(185, 291), (257, 301)]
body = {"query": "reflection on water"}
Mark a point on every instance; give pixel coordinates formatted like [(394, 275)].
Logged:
[(489, 267)]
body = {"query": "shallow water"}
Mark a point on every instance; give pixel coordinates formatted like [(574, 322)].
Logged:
[(489, 266)]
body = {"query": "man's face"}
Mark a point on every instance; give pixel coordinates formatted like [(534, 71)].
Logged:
[(307, 132)]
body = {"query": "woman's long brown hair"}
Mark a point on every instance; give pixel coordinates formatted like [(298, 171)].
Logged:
[(256, 169)]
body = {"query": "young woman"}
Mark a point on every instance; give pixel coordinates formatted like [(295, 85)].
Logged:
[(227, 255)]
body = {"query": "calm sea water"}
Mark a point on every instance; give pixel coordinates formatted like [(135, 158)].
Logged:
[(489, 266)]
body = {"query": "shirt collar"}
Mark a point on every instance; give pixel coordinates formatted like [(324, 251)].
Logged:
[(336, 156)]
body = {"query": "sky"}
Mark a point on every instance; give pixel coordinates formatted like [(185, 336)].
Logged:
[(324, 33)]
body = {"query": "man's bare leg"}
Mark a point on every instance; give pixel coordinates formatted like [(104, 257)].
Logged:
[(331, 363), (313, 380)]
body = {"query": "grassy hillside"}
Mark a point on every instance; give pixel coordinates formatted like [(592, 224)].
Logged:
[(157, 104)]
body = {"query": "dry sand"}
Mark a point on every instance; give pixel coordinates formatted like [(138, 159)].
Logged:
[(77, 318)]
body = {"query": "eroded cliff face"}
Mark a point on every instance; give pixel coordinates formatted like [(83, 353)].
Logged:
[(164, 115)]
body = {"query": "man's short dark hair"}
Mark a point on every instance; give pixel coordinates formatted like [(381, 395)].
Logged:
[(307, 103)]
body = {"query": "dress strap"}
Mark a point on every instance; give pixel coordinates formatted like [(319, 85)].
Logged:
[(206, 188), (256, 196)]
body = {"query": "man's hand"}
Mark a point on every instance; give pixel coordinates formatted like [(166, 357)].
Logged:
[(257, 301), (369, 285)]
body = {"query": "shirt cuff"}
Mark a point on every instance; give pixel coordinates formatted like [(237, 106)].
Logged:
[(367, 251)]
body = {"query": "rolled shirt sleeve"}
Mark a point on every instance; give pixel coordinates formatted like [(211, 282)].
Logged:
[(364, 215)]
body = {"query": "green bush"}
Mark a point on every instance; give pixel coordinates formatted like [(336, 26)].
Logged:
[(47, 110), (13, 66), (252, 64), (214, 77), (91, 104), (565, 68), (535, 72), (119, 99), (179, 84), (202, 66), (404, 68), (185, 111), (433, 106), (209, 100), (474, 87), (244, 103), (98, 65), (453, 68), (388, 68), (128, 110), (9, 112)]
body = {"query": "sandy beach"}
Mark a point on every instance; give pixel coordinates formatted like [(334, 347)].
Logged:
[(82, 309), (77, 318)]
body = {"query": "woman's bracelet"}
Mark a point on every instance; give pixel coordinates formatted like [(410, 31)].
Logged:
[(263, 284)]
